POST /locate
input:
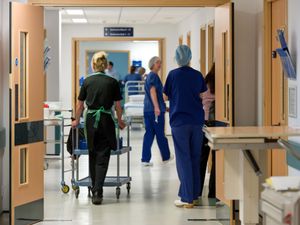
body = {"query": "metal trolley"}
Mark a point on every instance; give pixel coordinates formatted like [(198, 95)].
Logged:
[(110, 181), (59, 121)]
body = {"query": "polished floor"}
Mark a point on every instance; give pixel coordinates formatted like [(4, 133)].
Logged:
[(153, 192)]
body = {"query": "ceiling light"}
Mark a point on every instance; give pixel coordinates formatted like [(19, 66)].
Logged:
[(74, 11), (79, 20)]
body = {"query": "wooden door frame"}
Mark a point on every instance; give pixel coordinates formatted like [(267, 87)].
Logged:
[(129, 3), (189, 39), (210, 45), (75, 57), (267, 73), (203, 61), (180, 40)]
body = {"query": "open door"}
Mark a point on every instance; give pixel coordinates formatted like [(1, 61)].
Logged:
[(26, 114), (224, 60)]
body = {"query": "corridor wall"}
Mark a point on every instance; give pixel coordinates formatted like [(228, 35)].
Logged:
[(294, 44)]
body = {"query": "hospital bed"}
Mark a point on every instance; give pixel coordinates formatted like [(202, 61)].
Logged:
[(134, 101)]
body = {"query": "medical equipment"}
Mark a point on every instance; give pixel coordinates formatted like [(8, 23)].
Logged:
[(134, 101), (57, 121), (280, 207), (110, 181)]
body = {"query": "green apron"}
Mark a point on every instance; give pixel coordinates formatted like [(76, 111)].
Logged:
[(97, 112)]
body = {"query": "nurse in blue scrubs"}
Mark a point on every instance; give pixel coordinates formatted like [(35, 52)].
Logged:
[(183, 88), (154, 115)]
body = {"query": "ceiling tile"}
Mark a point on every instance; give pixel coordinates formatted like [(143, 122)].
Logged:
[(103, 11), (133, 15), (137, 15)]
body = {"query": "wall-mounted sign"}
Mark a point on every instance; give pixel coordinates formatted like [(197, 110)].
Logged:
[(118, 31), (137, 63)]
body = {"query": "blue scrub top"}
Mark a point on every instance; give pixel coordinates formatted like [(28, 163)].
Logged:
[(153, 80), (132, 77), (183, 88)]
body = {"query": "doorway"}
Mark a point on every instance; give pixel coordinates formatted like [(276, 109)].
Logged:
[(176, 4), (154, 46), (275, 84)]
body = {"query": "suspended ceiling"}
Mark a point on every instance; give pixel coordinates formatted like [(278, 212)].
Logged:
[(127, 15)]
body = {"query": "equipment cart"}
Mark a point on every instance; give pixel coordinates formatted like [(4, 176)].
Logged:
[(58, 121), (110, 181)]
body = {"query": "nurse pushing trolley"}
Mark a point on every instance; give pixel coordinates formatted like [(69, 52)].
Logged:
[(99, 92)]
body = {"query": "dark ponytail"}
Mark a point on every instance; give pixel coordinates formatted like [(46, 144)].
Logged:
[(210, 79)]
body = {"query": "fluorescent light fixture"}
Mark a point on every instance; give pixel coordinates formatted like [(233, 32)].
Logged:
[(74, 11), (79, 20)]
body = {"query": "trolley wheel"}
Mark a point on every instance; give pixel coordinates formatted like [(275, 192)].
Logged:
[(65, 189), (46, 165), (128, 187), (77, 191), (74, 187), (118, 192), (89, 192)]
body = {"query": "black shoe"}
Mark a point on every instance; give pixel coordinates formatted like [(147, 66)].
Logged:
[(97, 198)]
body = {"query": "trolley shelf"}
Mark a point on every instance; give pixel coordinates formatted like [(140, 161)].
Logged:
[(109, 181), (122, 151)]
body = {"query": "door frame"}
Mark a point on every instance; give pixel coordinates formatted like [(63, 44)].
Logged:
[(75, 57), (267, 73), (203, 49), (128, 3)]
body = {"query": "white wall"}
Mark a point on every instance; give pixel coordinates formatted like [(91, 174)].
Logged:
[(1, 105), (71, 31), (52, 25), (259, 60), (245, 58), (202, 17), (143, 51), (294, 44)]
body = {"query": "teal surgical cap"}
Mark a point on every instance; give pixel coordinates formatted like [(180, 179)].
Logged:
[(183, 55)]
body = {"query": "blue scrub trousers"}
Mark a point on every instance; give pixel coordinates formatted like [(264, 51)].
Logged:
[(188, 143), (155, 129)]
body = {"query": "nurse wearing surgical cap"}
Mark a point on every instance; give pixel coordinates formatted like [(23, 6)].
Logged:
[(183, 88), (154, 115)]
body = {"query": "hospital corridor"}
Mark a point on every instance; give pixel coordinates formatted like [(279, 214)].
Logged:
[(149, 112), (151, 194)]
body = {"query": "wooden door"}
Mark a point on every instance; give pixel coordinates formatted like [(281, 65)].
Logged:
[(188, 39), (224, 81), (26, 114), (180, 40), (203, 50), (210, 46), (278, 85)]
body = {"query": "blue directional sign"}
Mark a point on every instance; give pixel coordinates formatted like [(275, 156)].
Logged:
[(118, 31)]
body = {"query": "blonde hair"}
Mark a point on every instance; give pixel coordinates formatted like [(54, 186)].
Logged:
[(99, 62)]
